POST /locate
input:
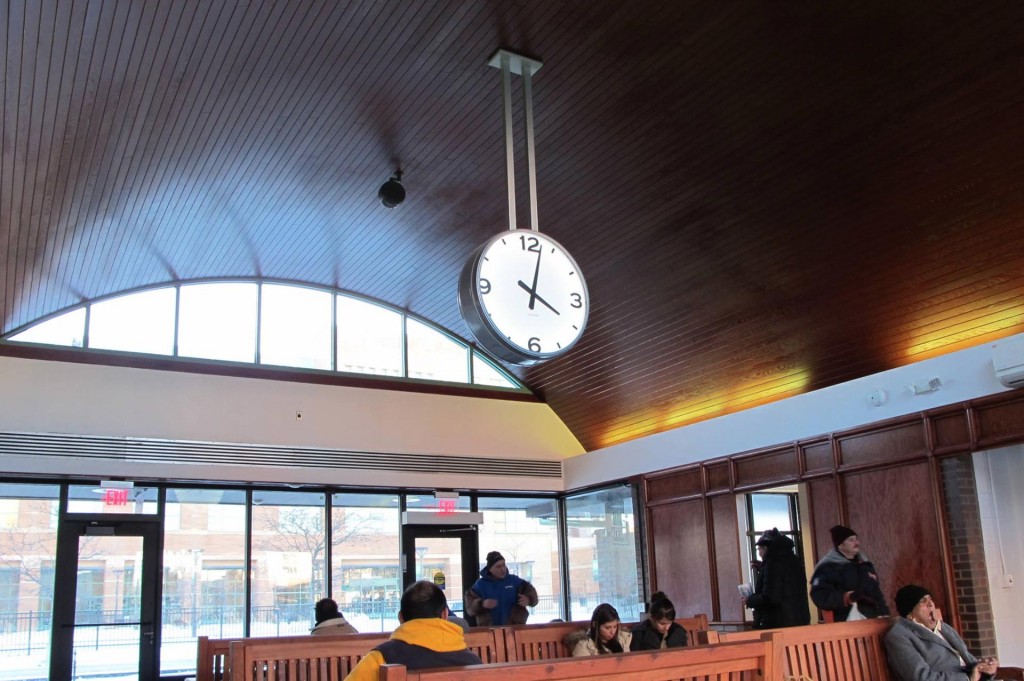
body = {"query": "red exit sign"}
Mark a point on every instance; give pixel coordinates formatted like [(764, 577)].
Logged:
[(115, 496), (446, 506)]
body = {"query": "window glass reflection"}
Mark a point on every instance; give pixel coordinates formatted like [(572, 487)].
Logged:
[(435, 356), (484, 373), (67, 329), (295, 327), (204, 573), (140, 322), (602, 553), (218, 321), (525, 531), (369, 338), (288, 561), (367, 579)]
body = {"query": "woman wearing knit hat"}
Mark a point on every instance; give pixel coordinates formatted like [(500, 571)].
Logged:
[(920, 646), (499, 597), (844, 578)]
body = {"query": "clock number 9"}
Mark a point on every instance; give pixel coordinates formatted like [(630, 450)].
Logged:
[(534, 344), (533, 241), (485, 287), (577, 300)]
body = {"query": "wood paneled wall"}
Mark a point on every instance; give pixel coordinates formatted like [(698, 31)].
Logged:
[(883, 480)]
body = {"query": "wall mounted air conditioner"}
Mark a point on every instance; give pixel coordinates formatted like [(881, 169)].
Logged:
[(1008, 360)]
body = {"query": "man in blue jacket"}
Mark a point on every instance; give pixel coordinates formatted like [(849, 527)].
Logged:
[(499, 597)]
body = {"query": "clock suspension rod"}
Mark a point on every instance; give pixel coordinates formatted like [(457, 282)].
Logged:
[(510, 164), (509, 63), (531, 156)]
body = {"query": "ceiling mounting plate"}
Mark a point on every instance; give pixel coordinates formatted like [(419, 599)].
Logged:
[(515, 62)]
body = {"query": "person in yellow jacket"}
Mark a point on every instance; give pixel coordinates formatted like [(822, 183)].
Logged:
[(425, 638)]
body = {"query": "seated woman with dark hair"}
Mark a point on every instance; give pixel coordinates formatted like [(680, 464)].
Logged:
[(329, 620), (604, 635), (658, 630)]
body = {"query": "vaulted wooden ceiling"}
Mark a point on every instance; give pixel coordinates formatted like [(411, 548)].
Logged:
[(765, 198)]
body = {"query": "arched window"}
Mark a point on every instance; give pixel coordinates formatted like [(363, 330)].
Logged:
[(274, 324)]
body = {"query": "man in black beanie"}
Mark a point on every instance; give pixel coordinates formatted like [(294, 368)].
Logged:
[(844, 578), (920, 645), (499, 597)]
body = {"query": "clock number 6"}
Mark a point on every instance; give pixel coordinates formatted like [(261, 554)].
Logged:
[(533, 241), (577, 300), (485, 286), (534, 344)]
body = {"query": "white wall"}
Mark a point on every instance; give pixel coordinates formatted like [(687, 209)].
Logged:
[(59, 397), (965, 375), (1000, 480)]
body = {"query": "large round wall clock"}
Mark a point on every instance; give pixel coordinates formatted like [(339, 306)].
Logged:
[(524, 297)]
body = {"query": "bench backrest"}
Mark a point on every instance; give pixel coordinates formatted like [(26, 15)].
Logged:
[(727, 662), (842, 651), (527, 642), (329, 657), (212, 653), (312, 657)]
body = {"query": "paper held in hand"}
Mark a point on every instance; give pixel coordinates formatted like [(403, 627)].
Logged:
[(746, 591)]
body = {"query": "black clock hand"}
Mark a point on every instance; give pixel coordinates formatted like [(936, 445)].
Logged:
[(534, 294), (536, 274), (537, 296)]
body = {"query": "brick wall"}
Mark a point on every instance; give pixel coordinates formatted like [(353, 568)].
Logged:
[(974, 605)]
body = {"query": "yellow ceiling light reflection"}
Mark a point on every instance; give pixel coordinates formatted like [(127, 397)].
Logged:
[(730, 400), (986, 321)]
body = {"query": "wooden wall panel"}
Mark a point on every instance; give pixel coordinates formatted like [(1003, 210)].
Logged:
[(894, 512), (817, 457), (719, 477), (727, 557), (1000, 422), (778, 466), (897, 442), (680, 555), (951, 431), (682, 483), (824, 506)]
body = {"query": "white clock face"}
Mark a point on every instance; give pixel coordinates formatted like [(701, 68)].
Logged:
[(531, 293)]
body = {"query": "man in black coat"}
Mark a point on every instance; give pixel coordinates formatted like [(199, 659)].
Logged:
[(844, 577), (780, 590)]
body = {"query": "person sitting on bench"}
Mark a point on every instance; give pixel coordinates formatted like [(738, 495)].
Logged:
[(425, 639)]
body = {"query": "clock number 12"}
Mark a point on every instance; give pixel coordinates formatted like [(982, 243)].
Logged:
[(534, 243)]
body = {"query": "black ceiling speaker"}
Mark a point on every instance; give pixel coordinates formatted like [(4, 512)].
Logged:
[(392, 192)]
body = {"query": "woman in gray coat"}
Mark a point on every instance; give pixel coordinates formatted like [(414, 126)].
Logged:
[(922, 648)]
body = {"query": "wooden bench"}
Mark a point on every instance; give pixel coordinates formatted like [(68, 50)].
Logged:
[(329, 657), (527, 642), (842, 651), (522, 642), (726, 662), (213, 653)]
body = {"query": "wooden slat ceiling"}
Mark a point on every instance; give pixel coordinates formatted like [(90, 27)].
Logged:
[(765, 198)]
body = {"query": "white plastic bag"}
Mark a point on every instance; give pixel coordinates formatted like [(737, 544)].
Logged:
[(855, 614)]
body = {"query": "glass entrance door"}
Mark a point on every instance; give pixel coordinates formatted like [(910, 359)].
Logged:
[(444, 554), (105, 600)]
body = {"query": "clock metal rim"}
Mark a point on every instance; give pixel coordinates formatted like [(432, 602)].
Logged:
[(473, 311)]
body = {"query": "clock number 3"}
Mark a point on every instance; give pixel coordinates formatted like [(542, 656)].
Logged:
[(534, 244), (485, 286), (534, 344), (577, 300)]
